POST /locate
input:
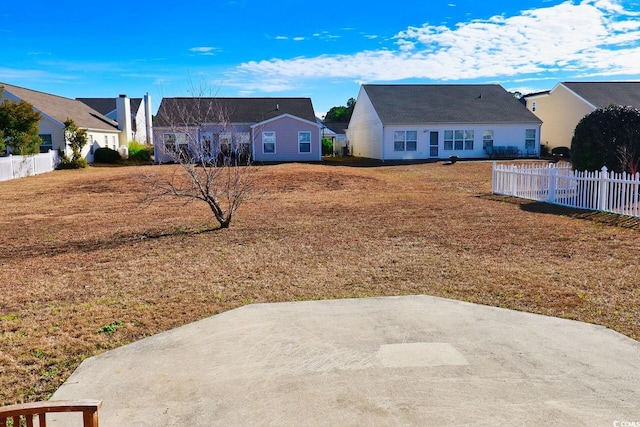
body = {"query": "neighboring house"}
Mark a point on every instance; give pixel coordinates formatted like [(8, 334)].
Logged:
[(140, 116), (561, 108), (337, 132), (55, 110), (269, 129), (396, 122)]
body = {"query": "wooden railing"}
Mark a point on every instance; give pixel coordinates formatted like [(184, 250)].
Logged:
[(28, 411)]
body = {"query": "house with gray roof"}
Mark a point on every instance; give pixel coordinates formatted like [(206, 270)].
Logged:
[(267, 129), (561, 108), (55, 110), (409, 122), (136, 110)]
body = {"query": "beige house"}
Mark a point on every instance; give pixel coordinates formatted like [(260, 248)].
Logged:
[(55, 110), (561, 108)]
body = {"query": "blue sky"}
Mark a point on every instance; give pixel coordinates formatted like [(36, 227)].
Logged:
[(292, 48)]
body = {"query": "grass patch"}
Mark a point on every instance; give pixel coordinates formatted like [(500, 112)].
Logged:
[(79, 250)]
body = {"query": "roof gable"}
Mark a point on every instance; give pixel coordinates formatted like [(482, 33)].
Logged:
[(193, 111), (411, 104), (337, 127), (60, 109), (602, 94), (286, 116)]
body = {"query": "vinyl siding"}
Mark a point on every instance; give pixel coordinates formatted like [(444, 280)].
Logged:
[(560, 112), (503, 135), (365, 130), (287, 129)]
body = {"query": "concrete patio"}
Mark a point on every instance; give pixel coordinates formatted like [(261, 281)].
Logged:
[(392, 361)]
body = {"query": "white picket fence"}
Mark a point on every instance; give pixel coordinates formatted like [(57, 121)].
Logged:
[(558, 184), (12, 167)]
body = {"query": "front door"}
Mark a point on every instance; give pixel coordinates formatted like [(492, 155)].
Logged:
[(433, 144)]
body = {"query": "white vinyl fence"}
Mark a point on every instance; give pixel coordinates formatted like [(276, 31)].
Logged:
[(12, 167), (558, 184)]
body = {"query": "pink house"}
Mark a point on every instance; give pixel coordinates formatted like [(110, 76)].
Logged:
[(267, 129)]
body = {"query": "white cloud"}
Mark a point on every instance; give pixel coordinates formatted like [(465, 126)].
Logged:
[(593, 36), (204, 50)]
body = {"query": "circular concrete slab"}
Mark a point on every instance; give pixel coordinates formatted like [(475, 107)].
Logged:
[(414, 360)]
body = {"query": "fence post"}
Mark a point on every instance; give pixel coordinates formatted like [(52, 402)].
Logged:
[(551, 195), (604, 187), (11, 166), (494, 175)]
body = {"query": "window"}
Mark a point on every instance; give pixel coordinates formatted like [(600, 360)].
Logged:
[(534, 105), (269, 142), (106, 141), (468, 139), (405, 140), (243, 146), (47, 143), (304, 142), (206, 142), (458, 140), (530, 139), (448, 140), (487, 139), (113, 141), (225, 143), (174, 142)]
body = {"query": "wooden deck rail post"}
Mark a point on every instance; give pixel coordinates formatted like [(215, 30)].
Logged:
[(28, 411)]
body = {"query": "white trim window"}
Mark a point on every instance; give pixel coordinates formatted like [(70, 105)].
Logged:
[(243, 143), (405, 140), (304, 142), (458, 140), (47, 142), (226, 143), (487, 139), (530, 140), (174, 142), (206, 144), (269, 142)]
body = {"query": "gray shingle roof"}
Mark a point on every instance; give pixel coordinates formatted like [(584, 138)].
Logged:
[(190, 111), (410, 104), (602, 94), (107, 105), (337, 127), (61, 108)]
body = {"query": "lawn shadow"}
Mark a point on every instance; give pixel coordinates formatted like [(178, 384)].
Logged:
[(90, 245), (364, 162), (604, 218)]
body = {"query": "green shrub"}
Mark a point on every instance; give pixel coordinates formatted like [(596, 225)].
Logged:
[(140, 153), (327, 147), (67, 162), (106, 155), (544, 151), (610, 137), (564, 152)]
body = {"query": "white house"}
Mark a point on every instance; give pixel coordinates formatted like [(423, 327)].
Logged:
[(561, 108), (408, 122), (133, 115), (55, 110), (269, 129)]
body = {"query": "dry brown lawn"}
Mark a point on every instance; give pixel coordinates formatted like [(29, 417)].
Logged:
[(85, 267)]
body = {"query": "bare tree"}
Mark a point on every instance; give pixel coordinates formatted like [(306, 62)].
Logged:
[(214, 156)]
